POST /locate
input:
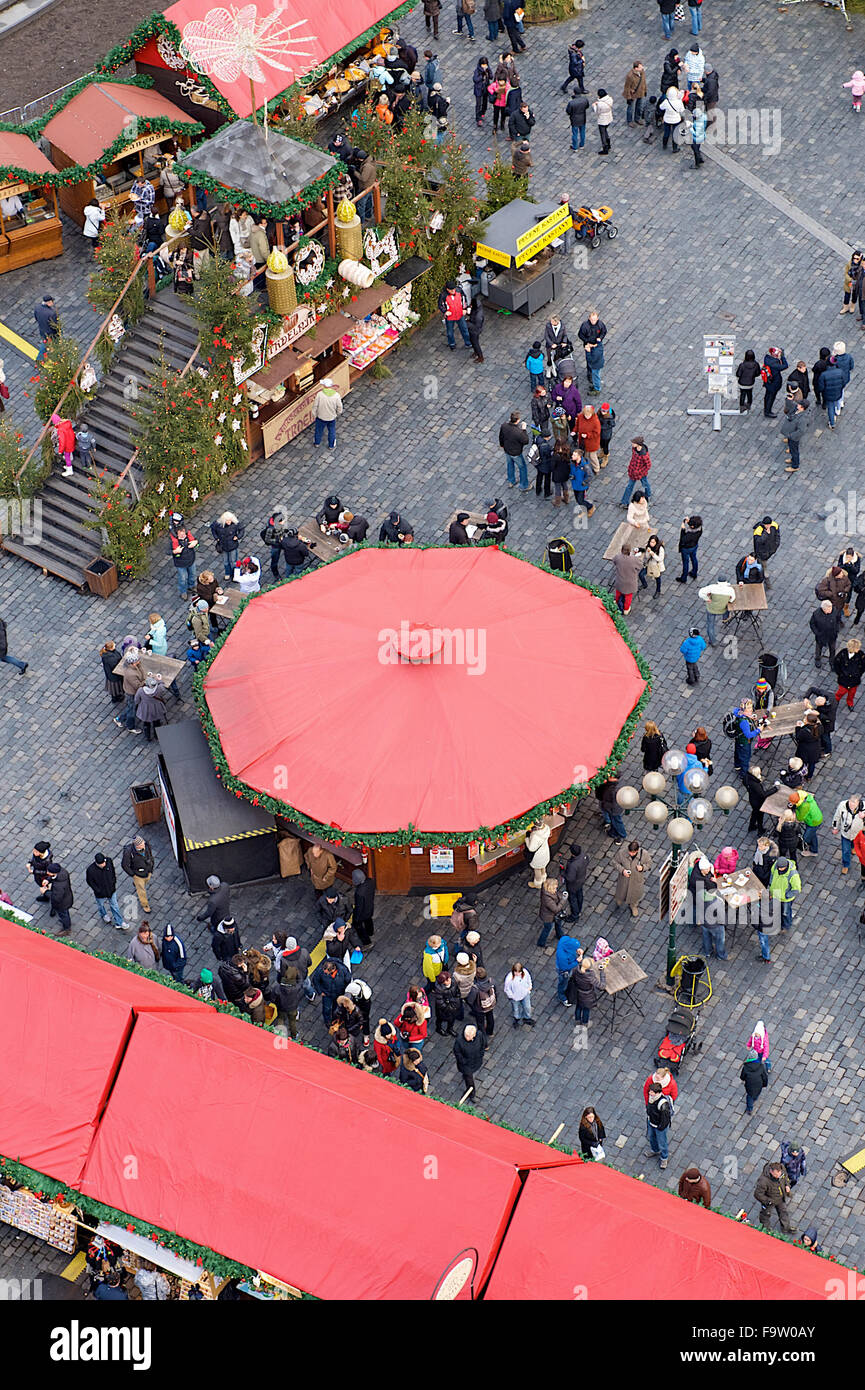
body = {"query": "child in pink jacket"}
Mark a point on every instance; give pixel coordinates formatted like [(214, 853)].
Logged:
[(857, 88), (727, 860)]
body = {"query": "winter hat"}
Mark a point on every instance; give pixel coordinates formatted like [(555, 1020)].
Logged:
[(338, 922), (206, 976), (839, 347), (536, 345), (693, 632), (690, 747), (605, 405), (638, 440), (212, 881), (782, 865), (100, 858), (329, 933), (462, 958), (473, 937), (326, 381), (131, 656), (692, 1175), (762, 684), (357, 877), (201, 605), (290, 943)]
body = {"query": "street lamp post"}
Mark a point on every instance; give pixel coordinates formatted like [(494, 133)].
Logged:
[(690, 810)]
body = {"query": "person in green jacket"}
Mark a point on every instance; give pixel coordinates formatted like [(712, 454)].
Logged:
[(809, 815), (784, 884)]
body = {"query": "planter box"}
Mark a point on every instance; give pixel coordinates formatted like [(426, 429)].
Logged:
[(101, 576), (146, 803)]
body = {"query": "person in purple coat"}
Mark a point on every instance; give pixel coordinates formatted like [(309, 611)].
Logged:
[(566, 394)]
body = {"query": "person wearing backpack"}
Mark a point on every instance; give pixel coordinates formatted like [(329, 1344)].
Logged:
[(774, 363), (740, 726), (464, 10), (452, 306), (659, 1117)]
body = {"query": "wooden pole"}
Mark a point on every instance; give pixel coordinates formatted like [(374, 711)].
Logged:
[(331, 225), (376, 200), (252, 90)]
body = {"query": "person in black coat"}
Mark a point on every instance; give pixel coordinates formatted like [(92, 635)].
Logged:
[(447, 1003), (296, 552), (60, 895), (469, 1048), (653, 746), (521, 123), (849, 667), (825, 623), (689, 540), (218, 906), (111, 658), (755, 1077), (329, 906), (475, 323), (756, 796), (775, 363), (806, 737), (672, 68), (817, 371), (234, 978), (364, 907), (799, 378), (457, 533), (746, 374), (225, 941), (583, 990), (576, 873), (101, 879), (823, 702), (395, 530), (592, 1132)]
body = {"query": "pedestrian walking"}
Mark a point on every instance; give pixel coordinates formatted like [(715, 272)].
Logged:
[(513, 439), (580, 474), (792, 428), (173, 954), (638, 470), (849, 667), (5, 654), (668, 16), (57, 887), (809, 816), (575, 875), (592, 1135), (627, 568), (653, 746), (692, 649), (587, 429), (431, 12), (784, 887), (717, 598), (101, 879), (689, 540), (603, 109), (469, 1048), (518, 988), (772, 1191), (142, 949), (755, 1078), (614, 824), (633, 864), (848, 822), (552, 905), (759, 1042), (793, 1159), (512, 20), (843, 360), (493, 11), (774, 363), (475, 325), (634, 93), (218, 904), (593, 330), (137, 861), (85, 443), (607, 417), (481, 81), (576, 110), (695, 8), (329, 979), (659, 1118), (698, 125), (47, 322)]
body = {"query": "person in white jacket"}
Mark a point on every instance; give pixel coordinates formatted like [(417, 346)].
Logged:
[(518, 988), (716, 597), (603, 109), (848, 820), (695, 64), (538, 846), (674, 110)]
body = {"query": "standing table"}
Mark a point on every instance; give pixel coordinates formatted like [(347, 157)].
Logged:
[(738, 895), (324, 545), (620, 975), (749, 603)]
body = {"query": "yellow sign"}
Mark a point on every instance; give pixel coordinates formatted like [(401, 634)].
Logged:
[(557, 219), (537, 246), (489, 253)]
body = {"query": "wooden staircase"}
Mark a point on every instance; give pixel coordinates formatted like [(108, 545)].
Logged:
[(67, 545)]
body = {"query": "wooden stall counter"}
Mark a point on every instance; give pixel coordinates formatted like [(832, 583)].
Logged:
[(421, 868)]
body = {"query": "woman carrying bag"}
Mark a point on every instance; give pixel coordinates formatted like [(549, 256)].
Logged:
[(592, 1135)]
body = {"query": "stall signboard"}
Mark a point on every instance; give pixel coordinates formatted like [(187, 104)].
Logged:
[(490, 253), (719, 357), (299, 413), (143, 144), (255, 358), (11, 190), (294, 325), (539, 236), (441, 860)]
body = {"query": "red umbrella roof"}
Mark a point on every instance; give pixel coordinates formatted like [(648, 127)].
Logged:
[(323, 699)]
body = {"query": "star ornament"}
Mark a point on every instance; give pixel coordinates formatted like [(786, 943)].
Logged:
[(237, 399), (214, 395), (230, 43)]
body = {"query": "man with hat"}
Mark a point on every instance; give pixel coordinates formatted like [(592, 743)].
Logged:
[(457, 533), (101, 879), (328, 408), (217, 907), (37, 864), (521, 159), (137, 861), (364, 907), (638, 469), (784, 884), (395, 530)]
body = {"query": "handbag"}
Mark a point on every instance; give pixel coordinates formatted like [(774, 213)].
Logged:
[(597, 1152), (679, 12), (4, 390)]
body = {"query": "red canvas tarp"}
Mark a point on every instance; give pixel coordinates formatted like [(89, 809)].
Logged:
[(64, 1019), (588, 1231), (288, 41), (335, 1181), (302, 659)]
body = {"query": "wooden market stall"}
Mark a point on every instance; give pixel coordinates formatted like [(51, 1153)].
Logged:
[(519, 270), (114, 133), (30, 227)]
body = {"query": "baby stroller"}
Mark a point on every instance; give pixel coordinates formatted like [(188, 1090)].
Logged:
[(557, 352), (679, 1039), (590, 223)]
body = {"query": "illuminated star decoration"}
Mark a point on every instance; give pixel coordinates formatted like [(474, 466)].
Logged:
[(230, 43)]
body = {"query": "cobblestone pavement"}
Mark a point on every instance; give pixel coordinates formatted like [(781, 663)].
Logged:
[(697, 252)]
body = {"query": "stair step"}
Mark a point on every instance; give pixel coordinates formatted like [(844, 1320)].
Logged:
[(79, 541), (78, 509), (46, 559), (75, 490), (166, 332)]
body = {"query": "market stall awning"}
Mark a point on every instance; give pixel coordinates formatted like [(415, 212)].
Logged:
[(19, 153), (316, 707), (290, 41), (271, 167), (65, 1018), (245, 1151), (96, 116), (519, 230), (588, 1227)]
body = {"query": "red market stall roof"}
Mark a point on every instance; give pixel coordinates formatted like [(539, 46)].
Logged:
[(320, 702), (290, 43), (588, 1231), (90, 123), (246, 1129), (65, 1018), (18, 152)]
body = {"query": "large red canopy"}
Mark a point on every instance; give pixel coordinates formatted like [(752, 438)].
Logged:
[(316, 706), (293, 38)]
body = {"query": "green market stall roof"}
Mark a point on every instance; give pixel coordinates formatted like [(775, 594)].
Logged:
[(436, 652), (271, 169), (104, 117)]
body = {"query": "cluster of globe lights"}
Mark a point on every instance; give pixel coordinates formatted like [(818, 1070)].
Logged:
[(697, 811)]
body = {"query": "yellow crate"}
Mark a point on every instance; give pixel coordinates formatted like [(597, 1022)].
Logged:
[(442, 904)]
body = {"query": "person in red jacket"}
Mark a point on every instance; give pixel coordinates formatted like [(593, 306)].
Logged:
[(385, 1046), (587, 429), (64, 436), (411, 1027), (663, 1078), (638, 470)]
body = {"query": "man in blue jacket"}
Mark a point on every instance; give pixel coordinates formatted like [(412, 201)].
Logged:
[(746, 734), (566, 960), (692, 649), (329, 980), (832, 384)]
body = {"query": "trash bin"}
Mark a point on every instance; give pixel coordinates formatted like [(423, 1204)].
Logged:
[(769, 666), (146, 803), (694, 987), (101, 576)]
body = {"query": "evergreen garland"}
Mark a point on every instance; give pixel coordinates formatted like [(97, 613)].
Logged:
[(247, 202), (405, 835)]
